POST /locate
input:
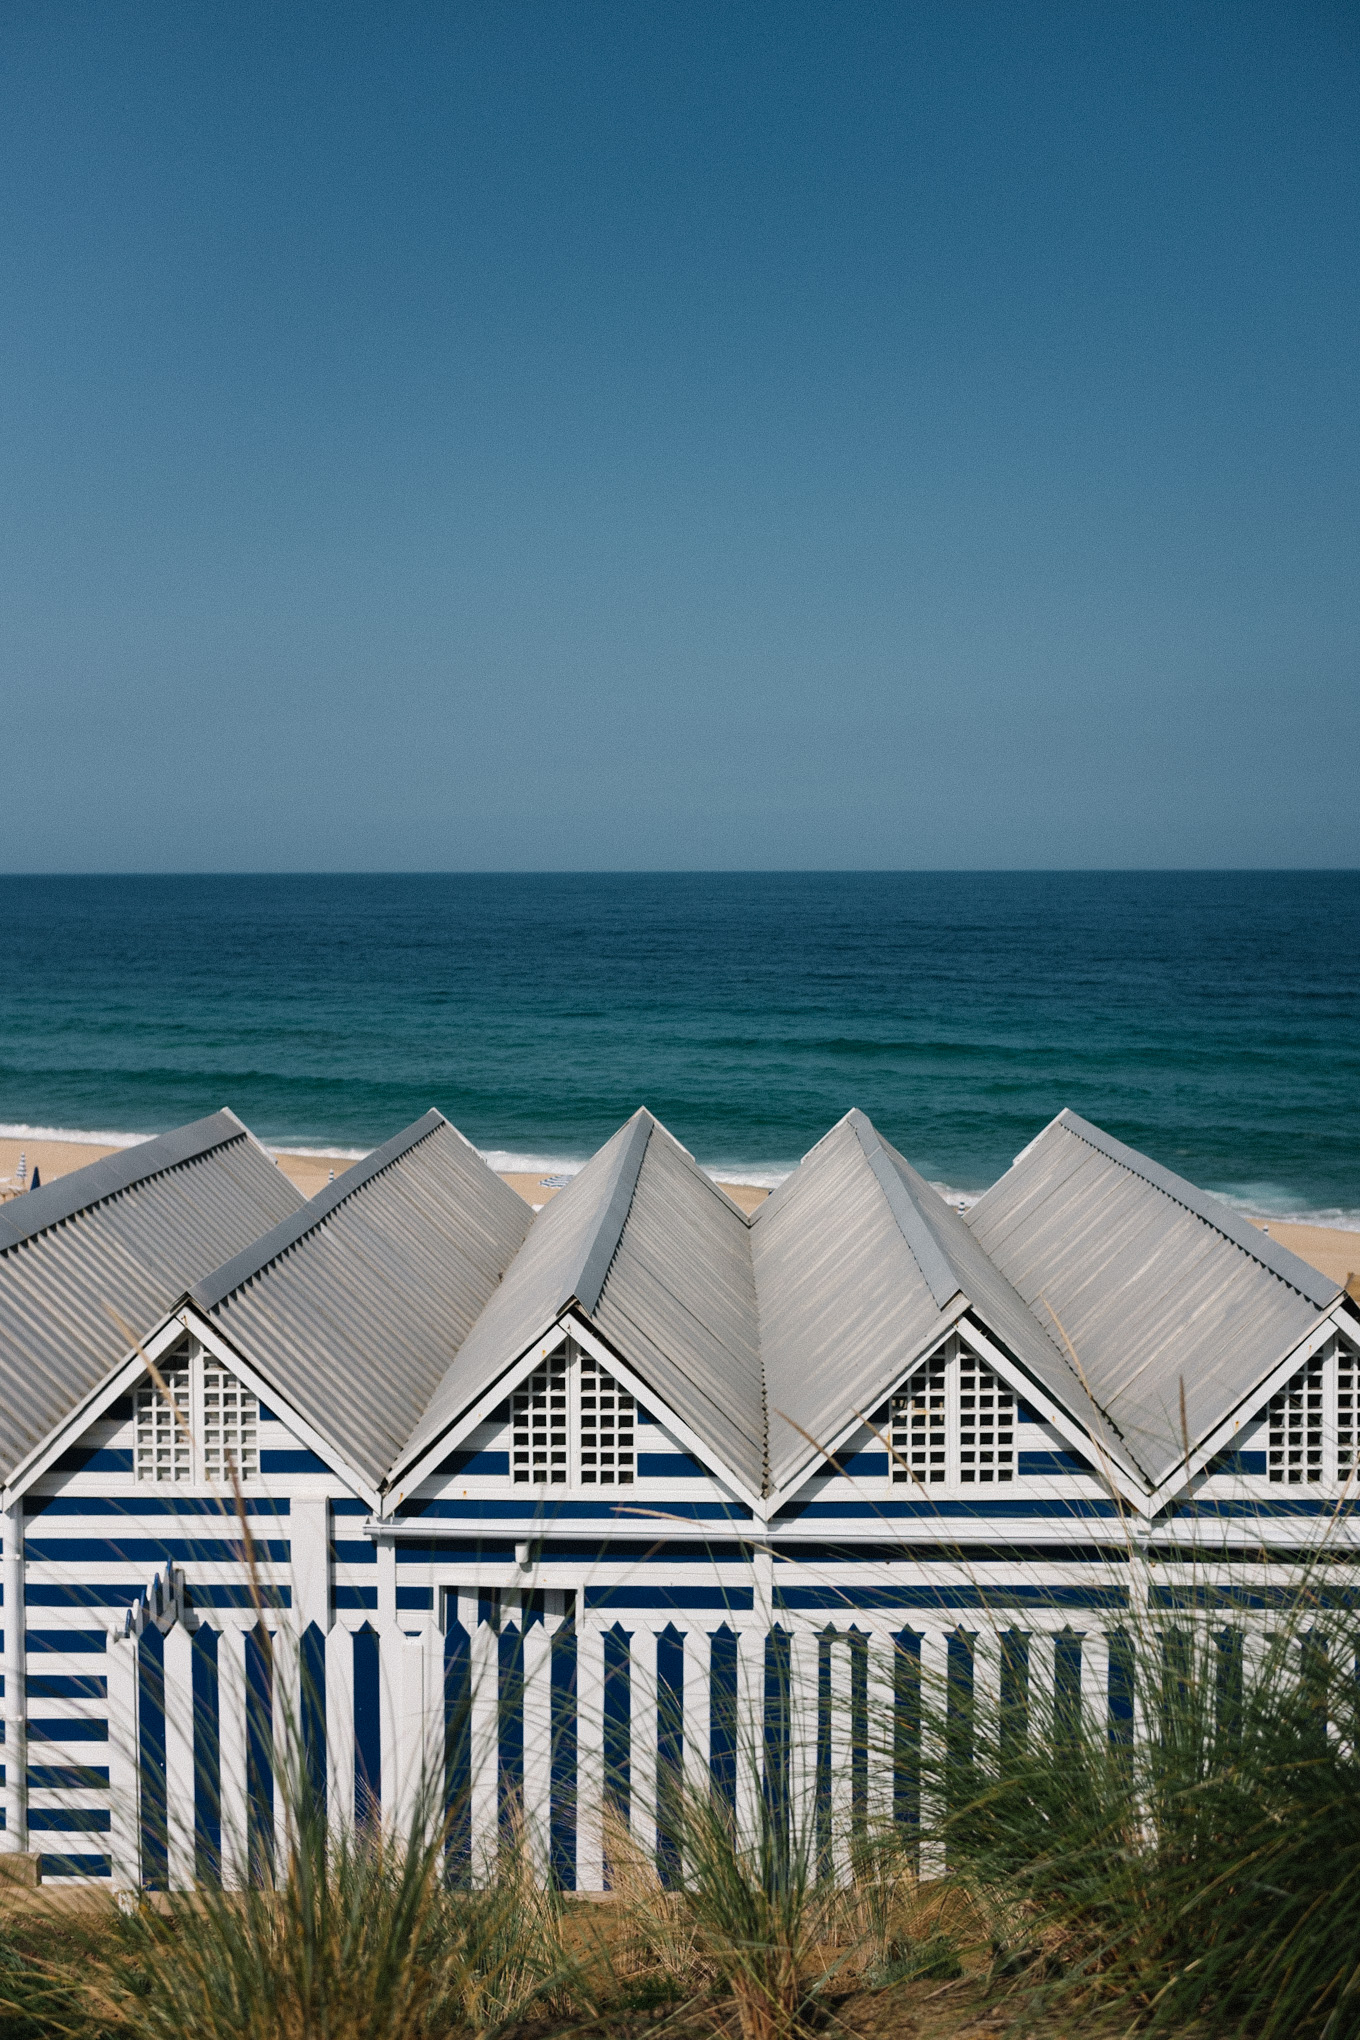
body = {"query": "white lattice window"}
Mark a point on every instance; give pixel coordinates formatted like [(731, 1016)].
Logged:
[(538, 1420), (608, 1414), (919, 1426), (1347, 1381), (986, 1424), (1311, 1436), (572, 1424), (204, 1424), (231, 1426), (953, 1423), (164, 1448), (1294, 1454)]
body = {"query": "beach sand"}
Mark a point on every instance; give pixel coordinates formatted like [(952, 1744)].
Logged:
[(310, 1172), (1336, 1253)]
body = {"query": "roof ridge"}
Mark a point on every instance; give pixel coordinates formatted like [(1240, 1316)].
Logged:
[(256, 1257), (938, 1271), (80, 1189), (598, 1253), (1291, 1268)]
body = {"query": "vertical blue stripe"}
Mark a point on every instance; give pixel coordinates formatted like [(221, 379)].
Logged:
[(457, 1752), (906, 1750), (259, 1755), (670, 1747), (1067, 1687), (510, 1723), (723, 1753), (1122, 1675), (151, 1739), (618, 1725), (562, 1813), (777, 1731), (207, 1758), (313, 1723), (367, 1727)]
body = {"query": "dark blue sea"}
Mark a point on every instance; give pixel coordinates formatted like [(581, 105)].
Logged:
[(1212, 1019)]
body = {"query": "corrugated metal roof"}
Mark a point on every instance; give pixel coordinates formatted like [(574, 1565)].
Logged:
[(1156, 1284), (680, 1304), (355, 1309), (860, 1268), (128, 1234), (567, 1250), (844, 1307)]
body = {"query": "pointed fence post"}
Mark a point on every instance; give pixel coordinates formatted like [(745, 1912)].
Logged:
[(125, 1800), (181, 1755), (485, 1754), (538, 1725), (15, 1837), (642, 1744), (590, 1778)]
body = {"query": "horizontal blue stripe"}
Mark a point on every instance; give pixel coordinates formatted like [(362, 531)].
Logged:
[(981, 1510), (736, 1599), (415, 1597), (91, 1641), (239, 1596), (53, 1728), (76, 1866), (1246, 1463), (71, 1594), (346, 1505), (531, 1509), (974, 1595), (95, 1459), (67, 1686), (154, 1505), (1052, 1462), (66, 1777), (296, 1460), (356, 1597), (475, 1462), (1230, 1597), (955, 1551), (70, 1820), (1249, 1509), (669, 1466), (152, 1550), (354, 1551)]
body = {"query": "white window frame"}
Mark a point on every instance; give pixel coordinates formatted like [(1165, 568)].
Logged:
[(202, 1459), (582, 1465), (958, 1477), (1334, 1474)]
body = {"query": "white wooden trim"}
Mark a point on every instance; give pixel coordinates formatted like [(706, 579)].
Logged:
[(128, 1370), (1252, 1403), (208, 1335)]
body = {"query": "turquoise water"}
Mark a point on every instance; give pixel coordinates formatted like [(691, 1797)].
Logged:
[(1212, 1019)]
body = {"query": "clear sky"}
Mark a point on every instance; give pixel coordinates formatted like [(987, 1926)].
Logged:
[(647, 434)]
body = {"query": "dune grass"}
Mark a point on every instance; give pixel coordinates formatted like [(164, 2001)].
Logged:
[(1192, 1869)]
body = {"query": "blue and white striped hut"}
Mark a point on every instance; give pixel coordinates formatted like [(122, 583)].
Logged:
[(541, 1504)]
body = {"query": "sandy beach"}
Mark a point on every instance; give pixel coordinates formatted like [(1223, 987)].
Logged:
[(1335, 1252), (311, 1172)]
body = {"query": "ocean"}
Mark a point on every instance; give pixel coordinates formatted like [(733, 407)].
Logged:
[(1210, 1018)]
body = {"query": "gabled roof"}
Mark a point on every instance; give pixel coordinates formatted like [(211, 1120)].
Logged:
[(1156, 1284), (860, 1268), (128, 1235), (354, 1306), (648, 1248), (680, 1304)]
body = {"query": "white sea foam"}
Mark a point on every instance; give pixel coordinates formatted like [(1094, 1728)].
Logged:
[(76, 1137), (1255, 1200)]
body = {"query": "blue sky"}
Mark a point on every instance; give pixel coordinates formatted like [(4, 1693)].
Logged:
[(683, 435)]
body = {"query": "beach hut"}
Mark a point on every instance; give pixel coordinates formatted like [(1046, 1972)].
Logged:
[(551, 1508)]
